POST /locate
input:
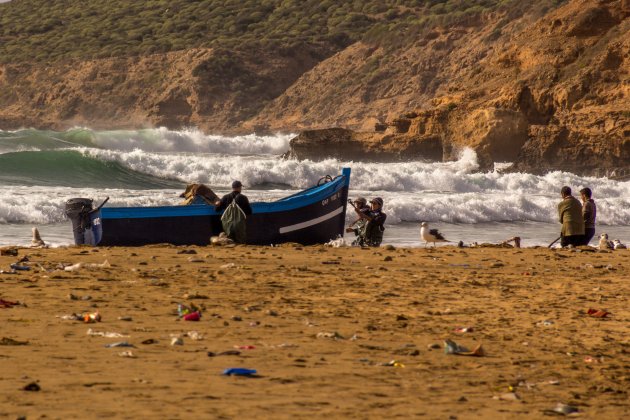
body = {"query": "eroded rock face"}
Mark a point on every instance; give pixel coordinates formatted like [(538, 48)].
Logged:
[(344, 144)]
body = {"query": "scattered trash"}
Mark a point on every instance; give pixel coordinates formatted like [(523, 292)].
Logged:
[(334, 335), (93, 333), (245, 347), (194, 316), (597, 313), (126, 354), (71, 317), (394, 363), (78, 266), (462, 330), (545, 323), (9, 252), (591, 359), (562, 409), (177, 341), (33, 386), (6, 341), (229, 265), (8, 303), (90, 318), (20, 267), (239, 372), (508, 396), (451, 347), (194, 335), (225, 353), (119, 344), (336, 243), (8, 272), (220, 240)]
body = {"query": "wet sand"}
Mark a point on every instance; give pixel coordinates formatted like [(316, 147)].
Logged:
[(325, 324)]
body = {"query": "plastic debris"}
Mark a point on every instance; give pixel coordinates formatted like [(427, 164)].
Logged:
[(194, 316), (224, 353), (334, 335), (194, 335), (119, 344), (6, 341), (545, 323), (239, 372), (563, 409), (126, 354), (8, 303), (177, 341), (451, 347), (9, 252), (33, 387), (93, 333), (91, 317), (20, 267), (597, 313), (508, 396), (463, 330), (394, 363), (245, 347)]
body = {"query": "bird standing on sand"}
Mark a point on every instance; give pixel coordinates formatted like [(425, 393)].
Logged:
[(37, 241), (430, 235)]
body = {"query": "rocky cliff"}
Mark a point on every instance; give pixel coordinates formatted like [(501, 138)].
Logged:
[(547, 89)]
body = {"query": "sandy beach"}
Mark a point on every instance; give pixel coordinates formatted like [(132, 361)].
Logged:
[(337, 332)]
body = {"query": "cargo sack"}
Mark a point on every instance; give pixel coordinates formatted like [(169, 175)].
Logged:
[(234, 222)]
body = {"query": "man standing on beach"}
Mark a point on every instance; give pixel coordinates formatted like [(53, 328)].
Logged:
[(589, 211), (570, 215), (233, 219)]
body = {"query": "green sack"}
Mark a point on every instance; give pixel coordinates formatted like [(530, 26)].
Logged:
[(234, 222)]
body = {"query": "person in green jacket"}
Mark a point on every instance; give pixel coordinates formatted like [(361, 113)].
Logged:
[(570, 215)]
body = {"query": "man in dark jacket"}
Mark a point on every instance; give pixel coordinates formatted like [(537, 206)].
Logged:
[(241, 199), (589, 211), (374, 228), (570, 215), (233, 220)]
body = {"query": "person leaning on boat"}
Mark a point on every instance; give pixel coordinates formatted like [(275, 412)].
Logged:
[(236, 233), (374, 227), (358, 226), (570, 215)]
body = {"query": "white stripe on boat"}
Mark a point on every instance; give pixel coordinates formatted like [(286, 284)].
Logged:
[(311, 222)]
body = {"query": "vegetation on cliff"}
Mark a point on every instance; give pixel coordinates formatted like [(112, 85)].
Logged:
[(51, 30)]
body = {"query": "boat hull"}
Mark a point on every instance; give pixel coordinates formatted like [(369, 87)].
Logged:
[(313, 216)]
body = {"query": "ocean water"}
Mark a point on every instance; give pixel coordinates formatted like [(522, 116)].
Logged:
[(40, 170)]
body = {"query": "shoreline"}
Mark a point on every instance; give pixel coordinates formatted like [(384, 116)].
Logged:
[(335, 331)]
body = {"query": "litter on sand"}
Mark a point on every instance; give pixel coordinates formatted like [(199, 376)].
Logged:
[(239, 372), (105, 334), (597, 313), (451, 347), (119, 344)]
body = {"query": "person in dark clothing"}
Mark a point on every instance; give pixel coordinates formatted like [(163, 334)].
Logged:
[(589, 211), (358, 226), (374, 228), (570, 215), (241, 199), (233, 220)]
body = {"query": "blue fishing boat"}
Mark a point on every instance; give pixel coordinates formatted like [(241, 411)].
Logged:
[(312, 216)]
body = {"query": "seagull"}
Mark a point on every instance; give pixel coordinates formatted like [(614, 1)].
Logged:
[(430, 235), (37, 242)]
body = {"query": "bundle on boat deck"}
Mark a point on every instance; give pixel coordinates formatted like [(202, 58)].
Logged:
[(198, 190)]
